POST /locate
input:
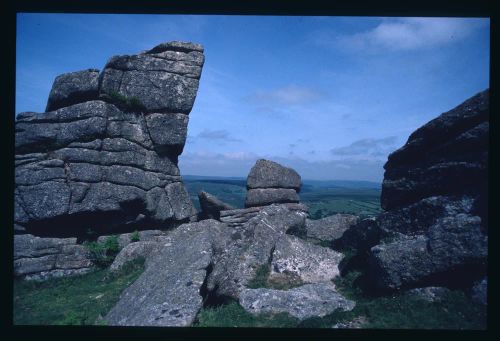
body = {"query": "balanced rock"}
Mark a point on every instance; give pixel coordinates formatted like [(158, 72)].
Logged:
[(211, 206), (105, 157), (269, 182), (435, 196)]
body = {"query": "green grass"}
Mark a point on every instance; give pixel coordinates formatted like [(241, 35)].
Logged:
[(77, 300), (127, 103), (403, 311), (233, 315)]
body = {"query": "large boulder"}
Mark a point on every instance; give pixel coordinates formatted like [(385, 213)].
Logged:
[(109, 164), (168, 292), (434, 229)]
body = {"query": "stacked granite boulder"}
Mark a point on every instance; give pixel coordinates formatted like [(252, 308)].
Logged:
[(269, 182), (434, 230), (104, 157)]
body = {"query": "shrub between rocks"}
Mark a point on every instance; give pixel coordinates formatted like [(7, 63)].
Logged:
[(103, 254), (127, 103)]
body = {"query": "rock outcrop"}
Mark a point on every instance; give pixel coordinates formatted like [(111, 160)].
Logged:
[(104, 156), (38, 258), (207, 260), (330, 229), (434, 231), (269, 182)]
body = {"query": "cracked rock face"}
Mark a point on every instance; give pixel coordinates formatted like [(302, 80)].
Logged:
[(434, 231), (97, 162), (168, 292)]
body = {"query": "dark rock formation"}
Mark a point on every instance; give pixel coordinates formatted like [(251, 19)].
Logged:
[(330, 229), (42, 258), (430, 294), (240, 216), (361, 236), (269, 182), (434, 228), (105, 157), (211, 206), (479, 292)]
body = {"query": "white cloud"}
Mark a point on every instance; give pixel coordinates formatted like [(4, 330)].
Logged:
[(287, 95), (367, 148), (403, 34)]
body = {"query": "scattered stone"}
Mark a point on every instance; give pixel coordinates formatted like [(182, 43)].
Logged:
[(331, 228), (211, 206), (133, 251), (303, 302)]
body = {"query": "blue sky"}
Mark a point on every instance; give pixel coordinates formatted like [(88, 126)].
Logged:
[(328, 96)]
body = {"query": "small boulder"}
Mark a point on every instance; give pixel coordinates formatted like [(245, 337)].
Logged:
[(72, 88), (211, 206), (330, 228), (269, 174), (268, 196)]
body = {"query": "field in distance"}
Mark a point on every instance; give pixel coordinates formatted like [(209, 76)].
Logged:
[(323, 198)]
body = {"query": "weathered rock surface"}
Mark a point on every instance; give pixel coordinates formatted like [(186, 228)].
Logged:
[(240, 216), (453, 247), (211, 206), (435, 195), (249, 247), (101, 164), (446, 156), (361, 236), (303, 302), (330, 228), (168, 291), (271, 183), (133, 251), (295, 257), (144, 236), (268, 196), (38, 258), (72, 88), (269, 174), (164, 79)]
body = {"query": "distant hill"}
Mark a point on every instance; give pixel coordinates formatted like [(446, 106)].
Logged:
[(323, 197)]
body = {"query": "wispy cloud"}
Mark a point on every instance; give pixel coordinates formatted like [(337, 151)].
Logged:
[(367, 148), (287, 95), (218, 135), (405, 34)]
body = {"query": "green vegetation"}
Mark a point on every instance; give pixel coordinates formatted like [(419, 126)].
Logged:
[(260, 279), (126, 103), (135, 237), (103, 254), (233, 315), (77, 300)]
